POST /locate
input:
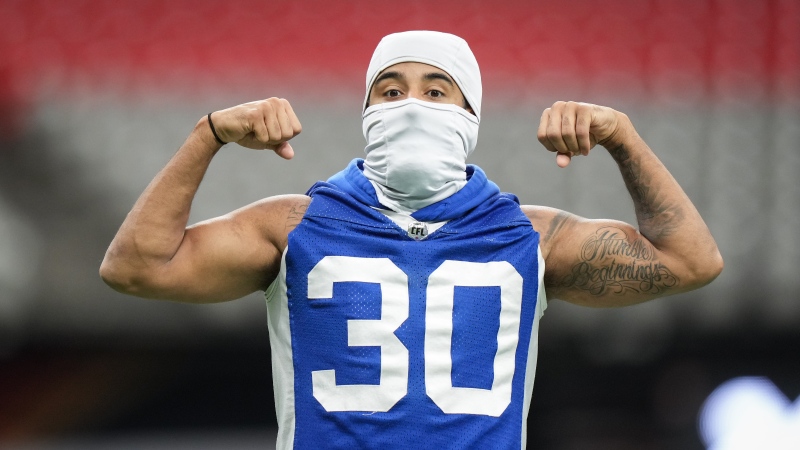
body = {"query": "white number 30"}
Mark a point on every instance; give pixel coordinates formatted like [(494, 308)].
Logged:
[(438, 335)]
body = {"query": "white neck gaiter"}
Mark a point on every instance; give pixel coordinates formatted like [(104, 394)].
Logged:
[(417, 151)]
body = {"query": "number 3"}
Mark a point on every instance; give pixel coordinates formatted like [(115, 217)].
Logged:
[(439, 311)]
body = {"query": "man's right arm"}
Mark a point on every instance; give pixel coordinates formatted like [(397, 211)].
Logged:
[(156, 255)]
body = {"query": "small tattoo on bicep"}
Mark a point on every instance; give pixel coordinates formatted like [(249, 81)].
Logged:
[(556, 225), (295, 215), (612, 263)]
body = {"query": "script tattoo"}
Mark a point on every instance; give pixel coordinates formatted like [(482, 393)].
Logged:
[(613, 264), (295, 215)]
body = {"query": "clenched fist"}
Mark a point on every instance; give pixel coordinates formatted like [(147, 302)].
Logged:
[(571, 128), (264, 124)]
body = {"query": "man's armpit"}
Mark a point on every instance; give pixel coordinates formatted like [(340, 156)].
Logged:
[(612, 262)]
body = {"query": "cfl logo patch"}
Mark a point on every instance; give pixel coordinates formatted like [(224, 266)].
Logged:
[(417, 231)]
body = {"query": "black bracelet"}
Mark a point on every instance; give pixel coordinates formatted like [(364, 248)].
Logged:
[(214, 131)]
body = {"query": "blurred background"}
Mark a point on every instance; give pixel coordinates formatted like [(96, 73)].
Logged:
[(96, 95)]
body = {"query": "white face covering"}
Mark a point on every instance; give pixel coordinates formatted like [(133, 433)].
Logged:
[(417, 151)]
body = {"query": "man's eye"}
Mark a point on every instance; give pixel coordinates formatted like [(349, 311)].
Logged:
[(435, 94), (392, 93)]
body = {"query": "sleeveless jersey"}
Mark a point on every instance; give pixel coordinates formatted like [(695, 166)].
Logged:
[(383, 341)]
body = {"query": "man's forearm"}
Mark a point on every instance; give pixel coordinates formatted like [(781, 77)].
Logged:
[(664, 213), (153, 230), (658, 200)]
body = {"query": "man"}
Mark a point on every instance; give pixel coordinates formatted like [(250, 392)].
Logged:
[(404, 294)]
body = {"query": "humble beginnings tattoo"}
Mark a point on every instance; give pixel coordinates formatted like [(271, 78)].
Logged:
[(611, 263)]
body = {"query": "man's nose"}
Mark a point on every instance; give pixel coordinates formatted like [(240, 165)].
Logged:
[(417, 94)]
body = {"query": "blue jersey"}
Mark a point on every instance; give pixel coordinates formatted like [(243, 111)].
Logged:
[(381, 340)]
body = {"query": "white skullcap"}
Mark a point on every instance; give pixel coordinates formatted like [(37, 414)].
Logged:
[(443, 50)]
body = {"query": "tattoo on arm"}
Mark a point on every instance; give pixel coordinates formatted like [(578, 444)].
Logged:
[(556, 225), (611, 263), (657, 217), (295, 216)]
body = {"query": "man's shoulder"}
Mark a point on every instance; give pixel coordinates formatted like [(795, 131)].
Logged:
[(539, 212), (549, 223), (270, 208), (273, 217)]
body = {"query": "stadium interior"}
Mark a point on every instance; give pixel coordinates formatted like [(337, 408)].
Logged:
[(95, 97)]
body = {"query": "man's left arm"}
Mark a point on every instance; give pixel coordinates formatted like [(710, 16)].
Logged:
[(611, 263)]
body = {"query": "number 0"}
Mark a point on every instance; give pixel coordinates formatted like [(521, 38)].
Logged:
[(438, 344)]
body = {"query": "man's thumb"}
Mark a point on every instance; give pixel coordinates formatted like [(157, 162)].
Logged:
[(284, 150)]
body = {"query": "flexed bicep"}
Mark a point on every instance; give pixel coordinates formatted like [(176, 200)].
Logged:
[(233, 255), (601, 263), (609, 263)]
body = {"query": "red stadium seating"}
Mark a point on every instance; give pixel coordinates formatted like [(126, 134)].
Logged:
[(55, 44)]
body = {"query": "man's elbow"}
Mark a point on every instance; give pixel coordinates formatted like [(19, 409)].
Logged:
[(119, 278), (709, 269), (719, 264)]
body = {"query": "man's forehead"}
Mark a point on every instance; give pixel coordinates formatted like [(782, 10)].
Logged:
[(447, 52), (405, 67), (404, 72)]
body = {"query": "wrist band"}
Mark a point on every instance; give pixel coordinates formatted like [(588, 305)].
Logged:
[(214, 131)]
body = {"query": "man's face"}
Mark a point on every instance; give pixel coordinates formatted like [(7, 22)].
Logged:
[(416, 80)]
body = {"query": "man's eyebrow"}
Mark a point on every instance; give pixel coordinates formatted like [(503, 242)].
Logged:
[(401, 77), (438, 76), (387, 75)]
